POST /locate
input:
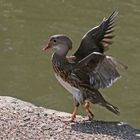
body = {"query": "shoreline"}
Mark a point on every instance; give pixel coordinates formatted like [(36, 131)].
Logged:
[(24, 121)]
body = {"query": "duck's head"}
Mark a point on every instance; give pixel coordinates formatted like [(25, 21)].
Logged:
[(61, 43)]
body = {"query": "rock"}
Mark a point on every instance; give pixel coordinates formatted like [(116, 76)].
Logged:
[(20, 120)]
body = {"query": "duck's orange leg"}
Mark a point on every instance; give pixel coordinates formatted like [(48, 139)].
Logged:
[(88, 110), (73, 115)]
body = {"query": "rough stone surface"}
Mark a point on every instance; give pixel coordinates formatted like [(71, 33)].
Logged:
[(20, 120)]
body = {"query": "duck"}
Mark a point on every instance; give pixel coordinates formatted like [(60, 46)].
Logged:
[(89, 69)]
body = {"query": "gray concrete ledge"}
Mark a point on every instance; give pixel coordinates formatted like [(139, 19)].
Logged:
[(20, 120)]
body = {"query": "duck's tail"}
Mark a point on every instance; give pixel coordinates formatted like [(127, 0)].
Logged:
[(95, 97), (111, 108)]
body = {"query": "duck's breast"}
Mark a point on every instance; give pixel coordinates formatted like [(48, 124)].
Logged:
[(73, 90)]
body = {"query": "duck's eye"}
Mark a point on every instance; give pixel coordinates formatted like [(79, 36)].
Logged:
[(54, 40)]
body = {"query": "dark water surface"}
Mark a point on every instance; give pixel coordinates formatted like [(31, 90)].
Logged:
[(26, 72)]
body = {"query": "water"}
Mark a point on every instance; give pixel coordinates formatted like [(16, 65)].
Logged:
[(26, 71)]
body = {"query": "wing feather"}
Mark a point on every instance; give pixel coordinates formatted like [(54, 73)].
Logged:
[(98, 38), (98, 75)]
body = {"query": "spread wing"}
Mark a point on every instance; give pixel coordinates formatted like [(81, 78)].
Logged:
[(93, 68), (97, 70), (98, 38)]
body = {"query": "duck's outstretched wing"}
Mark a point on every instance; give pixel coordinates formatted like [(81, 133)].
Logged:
[(98, 38), (98, 70)]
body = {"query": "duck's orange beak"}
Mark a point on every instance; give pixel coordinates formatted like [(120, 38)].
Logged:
[(49, 45)]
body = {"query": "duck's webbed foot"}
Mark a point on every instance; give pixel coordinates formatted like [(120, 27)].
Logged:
[(68, 120)]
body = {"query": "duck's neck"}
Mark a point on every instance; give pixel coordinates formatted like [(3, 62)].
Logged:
[(56, 57)]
